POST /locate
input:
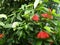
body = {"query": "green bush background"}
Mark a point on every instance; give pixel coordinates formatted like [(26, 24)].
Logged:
[(25, 32)]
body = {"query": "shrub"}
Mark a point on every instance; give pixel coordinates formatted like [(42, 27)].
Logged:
[(31, 24)]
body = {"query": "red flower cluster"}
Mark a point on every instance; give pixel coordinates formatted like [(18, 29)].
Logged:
[(35, 18), (1, 35), (45, 15), (43, 35)]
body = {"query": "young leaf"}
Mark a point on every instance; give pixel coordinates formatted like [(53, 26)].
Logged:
[(57, 1), (48, 29), (3, 16), (2, 24), (8, 26), (36, 3)]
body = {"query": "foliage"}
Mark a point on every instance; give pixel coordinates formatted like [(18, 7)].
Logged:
[(7, 6), (20, 24)]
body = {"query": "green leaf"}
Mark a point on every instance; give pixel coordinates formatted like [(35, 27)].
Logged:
[(39, 43), (26, 16), (47, 43), (3, 16), (8, 26), (54, 22), (2, 41), (57, 1), (19, 28), (2, 24), (30, 28), (27, 11), (19, 18), (26, 26), (20, 33), (48, 29), (49, 40), (53, 11), (46, 0), (23, 6)]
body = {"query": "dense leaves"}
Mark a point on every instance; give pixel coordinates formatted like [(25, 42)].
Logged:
[(24, 23)]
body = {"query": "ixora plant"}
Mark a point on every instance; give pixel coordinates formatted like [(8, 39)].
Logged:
[(33, 24)]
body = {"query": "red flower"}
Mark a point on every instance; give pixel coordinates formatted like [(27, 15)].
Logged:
[(43, 35), (1, 35), (50, 16), (45, 15), (35, 18)]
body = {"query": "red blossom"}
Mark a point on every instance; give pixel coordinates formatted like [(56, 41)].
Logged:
[(50, 16), (45, 15), (35, 18), (1, 35), (43, 35)]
